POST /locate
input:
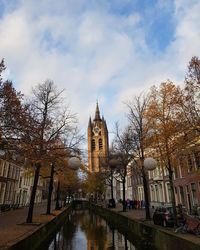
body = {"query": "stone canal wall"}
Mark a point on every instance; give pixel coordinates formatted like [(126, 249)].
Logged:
[(161, 238), (135, 230), (42, 234)]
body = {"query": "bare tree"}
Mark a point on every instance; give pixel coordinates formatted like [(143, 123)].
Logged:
[(46, 122), (2, 68), (191, 95), (140, 132), (124, 148)]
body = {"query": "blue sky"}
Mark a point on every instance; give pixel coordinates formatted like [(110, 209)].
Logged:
[(105, 50)]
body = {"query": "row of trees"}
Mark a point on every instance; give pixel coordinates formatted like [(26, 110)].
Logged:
[(39, 131), (162, 123)]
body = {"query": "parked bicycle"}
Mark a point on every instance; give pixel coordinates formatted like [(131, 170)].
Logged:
[(191, 224)]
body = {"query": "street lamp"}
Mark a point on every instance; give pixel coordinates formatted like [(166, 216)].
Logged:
[(74, 163), (113, 163), (149, 165)]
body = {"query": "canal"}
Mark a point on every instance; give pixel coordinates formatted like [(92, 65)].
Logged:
[(84, 230)]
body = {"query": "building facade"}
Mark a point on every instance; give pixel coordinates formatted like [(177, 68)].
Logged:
[(16, 184), (187, 179), (97, 141), (9, 178)]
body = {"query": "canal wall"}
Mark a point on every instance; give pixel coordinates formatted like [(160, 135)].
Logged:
[(41, 234), (160, 238)]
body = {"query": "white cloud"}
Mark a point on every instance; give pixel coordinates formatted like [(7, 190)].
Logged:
[(85, 47)]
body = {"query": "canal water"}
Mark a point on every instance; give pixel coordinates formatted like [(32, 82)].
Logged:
[(84, 230)]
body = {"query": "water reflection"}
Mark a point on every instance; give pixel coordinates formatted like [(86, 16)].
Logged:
[(86, 231)]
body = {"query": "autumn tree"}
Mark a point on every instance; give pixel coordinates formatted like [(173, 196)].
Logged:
[(166, 127), (140, 129), (67, 183), (71, 183), (11, 116), (94, 184), (46, 121)]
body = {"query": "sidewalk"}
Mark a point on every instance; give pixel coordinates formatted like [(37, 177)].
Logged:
[(138, 213), (12, 228)]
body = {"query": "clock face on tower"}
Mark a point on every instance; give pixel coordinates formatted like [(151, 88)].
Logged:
[(96, 130)]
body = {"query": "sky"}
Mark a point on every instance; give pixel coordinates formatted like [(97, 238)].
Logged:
[(105, 50)]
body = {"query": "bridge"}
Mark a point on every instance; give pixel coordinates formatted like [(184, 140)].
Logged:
[(79, 204)]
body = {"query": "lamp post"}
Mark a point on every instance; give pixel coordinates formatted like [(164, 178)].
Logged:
[(113, 163), (149, 165), (57, 207), (50, 188), (73, 163)]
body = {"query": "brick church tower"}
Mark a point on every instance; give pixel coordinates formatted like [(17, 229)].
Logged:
[(97, 141)]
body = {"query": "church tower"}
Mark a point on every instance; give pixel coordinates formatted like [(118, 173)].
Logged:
[(97, 141)]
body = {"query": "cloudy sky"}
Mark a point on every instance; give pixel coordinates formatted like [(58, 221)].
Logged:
[(105, 50)]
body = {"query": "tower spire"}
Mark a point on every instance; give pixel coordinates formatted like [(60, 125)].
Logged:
[(97, 113), (90, 122)]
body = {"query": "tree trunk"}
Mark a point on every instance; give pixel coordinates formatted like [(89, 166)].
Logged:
[(173, 200), (124, 194), (33, 193), (50, 190), (112, 195), (58, 196), (146, 195)]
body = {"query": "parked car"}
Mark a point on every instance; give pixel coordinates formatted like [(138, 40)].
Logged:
[(164, 216)]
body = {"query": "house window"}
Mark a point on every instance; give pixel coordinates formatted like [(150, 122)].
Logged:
[(20, 182), (157, 193), (190, 164), (197, 159), (194, 193), (2, 191), (5, 170), (152, 193), (2, 163), (129, 182), (169, 192), (182, 161), (175, 172), (182, 195)]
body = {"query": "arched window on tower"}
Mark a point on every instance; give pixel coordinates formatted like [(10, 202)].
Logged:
[(100, 144), (93, 144)]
